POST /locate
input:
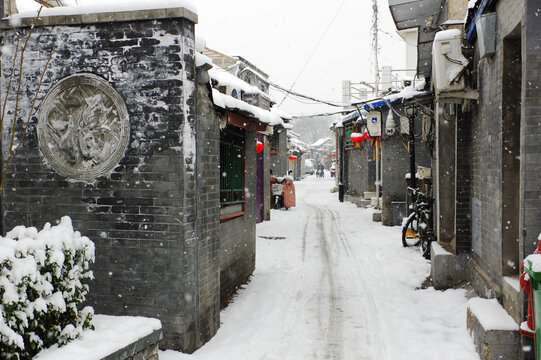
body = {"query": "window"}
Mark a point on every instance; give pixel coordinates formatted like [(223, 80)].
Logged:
[(232, 173), (348, 130), (274, 142)]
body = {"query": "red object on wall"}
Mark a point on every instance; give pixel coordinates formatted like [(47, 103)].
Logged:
[(527, 287), (259, 146), (325, 157), (356, 137), (292, 158)]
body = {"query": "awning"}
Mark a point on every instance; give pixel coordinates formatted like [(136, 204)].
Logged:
[(424, 15)]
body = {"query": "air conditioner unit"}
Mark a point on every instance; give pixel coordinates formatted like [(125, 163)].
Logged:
[(448, 63)]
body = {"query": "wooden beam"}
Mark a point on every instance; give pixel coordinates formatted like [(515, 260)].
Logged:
[(238, 120)]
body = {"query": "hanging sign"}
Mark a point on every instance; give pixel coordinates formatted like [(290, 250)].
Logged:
[(374, 123)]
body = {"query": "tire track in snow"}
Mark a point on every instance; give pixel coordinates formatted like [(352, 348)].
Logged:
[(333, 332), (375, 327), (293, 316)]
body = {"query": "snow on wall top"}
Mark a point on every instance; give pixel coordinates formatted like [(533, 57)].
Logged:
[(112, 333), (491, 314), (27, 11)]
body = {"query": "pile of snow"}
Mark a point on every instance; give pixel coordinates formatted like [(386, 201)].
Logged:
[(41, 287)]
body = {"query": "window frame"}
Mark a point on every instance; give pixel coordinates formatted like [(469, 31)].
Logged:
[(349, 128), (232, 141), (274, 142)]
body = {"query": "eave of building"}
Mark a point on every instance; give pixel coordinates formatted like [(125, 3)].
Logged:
[(416, 14)]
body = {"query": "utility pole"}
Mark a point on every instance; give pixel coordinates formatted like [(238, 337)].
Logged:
[(376, 90), (375, 43)]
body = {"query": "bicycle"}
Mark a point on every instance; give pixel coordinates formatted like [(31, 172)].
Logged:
[(417, 229)]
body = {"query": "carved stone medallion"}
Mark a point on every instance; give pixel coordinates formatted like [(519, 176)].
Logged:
[(83, 127)]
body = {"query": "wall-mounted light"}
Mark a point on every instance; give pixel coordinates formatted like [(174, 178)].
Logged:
[(410, 110)]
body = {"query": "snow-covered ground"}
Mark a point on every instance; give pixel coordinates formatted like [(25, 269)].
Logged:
[(331, 284)]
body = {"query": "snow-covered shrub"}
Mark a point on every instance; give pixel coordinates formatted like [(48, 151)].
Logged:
[(41, 288)]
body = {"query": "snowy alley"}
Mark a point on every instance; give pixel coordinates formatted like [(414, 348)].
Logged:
[(331, 284)]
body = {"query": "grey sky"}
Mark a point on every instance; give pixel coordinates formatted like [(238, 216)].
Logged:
[(278, 36)]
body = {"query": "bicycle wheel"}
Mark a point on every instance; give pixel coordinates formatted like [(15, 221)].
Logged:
[(425, 248), (410, 231)]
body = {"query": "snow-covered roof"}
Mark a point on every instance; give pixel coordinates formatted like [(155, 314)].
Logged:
[(282, 114), (225, 78), (321, 143), (298, 144), (29, 11), (227, 102), (406, 93)]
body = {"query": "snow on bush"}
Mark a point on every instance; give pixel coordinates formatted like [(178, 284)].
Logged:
[(41, 288)]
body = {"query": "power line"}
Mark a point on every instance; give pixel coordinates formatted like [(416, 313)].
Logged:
[(315, 48), (331, 103)]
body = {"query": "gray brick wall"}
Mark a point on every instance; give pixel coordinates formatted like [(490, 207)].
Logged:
[(463, 217), (531, 130), (279, 162), (489, 138), (143, 216), (356, 174), (237, 235), (395, 164), (208, 202)]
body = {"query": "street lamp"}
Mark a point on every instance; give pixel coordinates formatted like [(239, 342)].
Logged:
[(340, 133)]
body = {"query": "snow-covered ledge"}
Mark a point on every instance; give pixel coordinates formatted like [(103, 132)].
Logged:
[(113, 12), (446, 269), (115, 338), (494, 332)]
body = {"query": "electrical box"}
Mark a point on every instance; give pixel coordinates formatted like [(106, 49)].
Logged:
[(373, 123), (486, 34), (404, 125), (448, 63)]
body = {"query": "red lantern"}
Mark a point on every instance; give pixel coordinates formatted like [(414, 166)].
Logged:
[(259, 147), (292, 158), (333, 155), (357, 138), (325, 157)]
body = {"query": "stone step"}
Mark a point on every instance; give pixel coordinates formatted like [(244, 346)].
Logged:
[(369, 194), (494, 332)]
